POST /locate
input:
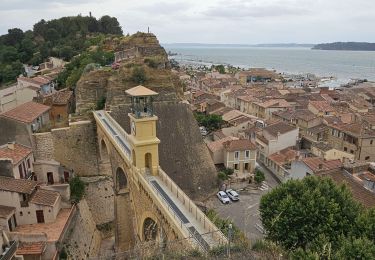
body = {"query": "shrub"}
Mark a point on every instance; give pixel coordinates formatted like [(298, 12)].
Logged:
[(138, 75), (77, 189), (101, 103), (259, 176)]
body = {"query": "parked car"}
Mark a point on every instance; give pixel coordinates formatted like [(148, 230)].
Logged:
[(223, 197), (233, 195)]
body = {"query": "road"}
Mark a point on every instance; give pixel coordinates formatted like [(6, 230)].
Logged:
[(245, 213)]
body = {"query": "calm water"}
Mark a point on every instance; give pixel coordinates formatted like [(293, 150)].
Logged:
[(344, 65)]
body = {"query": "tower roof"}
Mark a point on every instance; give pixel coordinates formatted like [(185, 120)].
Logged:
[(140, 91)]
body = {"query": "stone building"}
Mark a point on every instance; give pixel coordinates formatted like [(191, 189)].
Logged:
[(240, 155)]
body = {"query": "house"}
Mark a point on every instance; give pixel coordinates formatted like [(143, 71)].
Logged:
[(62, 104), (257, 75), (32, 115), (240, 155), (327, 152), (275, 138), (355, 138), (216, 149), (265, 109), (16, 161), (320, 108), (313, 166), (280, 162)]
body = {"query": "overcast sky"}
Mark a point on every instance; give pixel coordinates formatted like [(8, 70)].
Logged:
[(213, 21)]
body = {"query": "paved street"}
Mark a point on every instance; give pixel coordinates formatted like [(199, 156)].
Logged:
[(245, 213)]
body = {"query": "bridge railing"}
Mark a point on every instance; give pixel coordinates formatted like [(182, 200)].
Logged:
[(199, 216), (162, 203)]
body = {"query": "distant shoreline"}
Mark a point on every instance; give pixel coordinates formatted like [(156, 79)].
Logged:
[(345, 46), (216, 45)]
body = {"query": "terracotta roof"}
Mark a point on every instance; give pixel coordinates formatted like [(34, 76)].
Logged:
[(317, 129), (17, 185), (219, 134), (140, 91), (27, 112), (18, 153), (279, 127), (39, 80), (262, 139), (5, 211), (31, 248), (273, 103), (317, 164), (239, 145), (323, 106), (218, 145), (62, 97), (45, 197), (360, 193), (284, 156)]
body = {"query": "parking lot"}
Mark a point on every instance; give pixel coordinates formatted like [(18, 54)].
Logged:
[(245, 212)]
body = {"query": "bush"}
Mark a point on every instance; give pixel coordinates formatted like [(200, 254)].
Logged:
[(77, 189), (259, 176), (138, 75), (222, 176)]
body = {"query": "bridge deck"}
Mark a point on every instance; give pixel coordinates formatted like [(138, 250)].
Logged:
[(188, 220)]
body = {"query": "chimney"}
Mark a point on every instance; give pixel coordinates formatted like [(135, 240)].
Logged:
[(10, 145)]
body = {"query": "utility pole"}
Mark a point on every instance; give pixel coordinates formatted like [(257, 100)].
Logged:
[(229, 238)]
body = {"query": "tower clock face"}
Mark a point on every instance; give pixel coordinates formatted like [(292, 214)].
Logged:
[(133, 128)]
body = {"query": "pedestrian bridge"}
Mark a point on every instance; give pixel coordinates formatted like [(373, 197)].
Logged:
[(149, 205)]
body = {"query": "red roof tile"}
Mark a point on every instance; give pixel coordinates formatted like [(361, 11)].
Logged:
[(17, 185), (31, 248), (317, 164), (239, 145), (18, 153), (45, 197), (27, 112)]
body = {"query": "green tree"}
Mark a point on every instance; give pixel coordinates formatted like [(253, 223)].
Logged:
[(259, 176), (110, 25), (77, 189), (138, 75), (14, 37), (360, 248), (299, 212)]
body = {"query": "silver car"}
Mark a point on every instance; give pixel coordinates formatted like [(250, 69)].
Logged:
[(233, 195), (223, 197)]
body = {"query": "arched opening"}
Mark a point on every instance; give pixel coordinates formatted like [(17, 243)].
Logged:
[(104, 151), (121, 181), (134, 158), (148, 161), (150, 229)]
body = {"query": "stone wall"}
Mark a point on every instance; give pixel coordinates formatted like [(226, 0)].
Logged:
[(100, 198), (75, 147), (82, 239)]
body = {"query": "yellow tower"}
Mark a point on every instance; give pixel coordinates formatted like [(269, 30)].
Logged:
[(145, 154)]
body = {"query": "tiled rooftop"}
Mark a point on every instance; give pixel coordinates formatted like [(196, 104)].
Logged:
[(31, 248), (45, 197), (27, 112), (279, 127), (17, 185), (218, 145), (317, 164), (14, 152), (239, 145), (5, 211)]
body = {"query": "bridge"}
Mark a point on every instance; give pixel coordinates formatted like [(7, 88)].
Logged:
[(149, 205)]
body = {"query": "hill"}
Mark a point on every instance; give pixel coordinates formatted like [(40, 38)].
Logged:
[(63, 38), (346, 46)]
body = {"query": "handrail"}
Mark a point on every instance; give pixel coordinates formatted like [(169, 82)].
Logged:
[(199, 215), (9, 251)]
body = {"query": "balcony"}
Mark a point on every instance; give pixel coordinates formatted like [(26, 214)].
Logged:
[(9, 251)]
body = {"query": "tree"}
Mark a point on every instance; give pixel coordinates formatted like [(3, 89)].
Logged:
[(302, 213), (138, 75), (360, 248), (259, 176), (14, 36), (110, 25), (77, 189)]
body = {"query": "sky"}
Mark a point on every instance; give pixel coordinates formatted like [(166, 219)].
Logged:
[(213, 21)]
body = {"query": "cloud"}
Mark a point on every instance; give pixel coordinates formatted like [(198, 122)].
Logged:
[(254, 9), (12, 5)]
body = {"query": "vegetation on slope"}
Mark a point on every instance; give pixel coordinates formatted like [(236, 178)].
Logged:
[(346, 46), (63, 38), (314, 218)]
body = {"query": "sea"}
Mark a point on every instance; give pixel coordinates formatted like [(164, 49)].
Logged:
[(344, 66)]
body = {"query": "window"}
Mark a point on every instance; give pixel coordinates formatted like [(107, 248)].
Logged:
[(21, 213), (20, 170), (345, 149), (247, 154), (28, 163), (236, 155), (351, 151), (371, 141), (367, 158), (236, 166)]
